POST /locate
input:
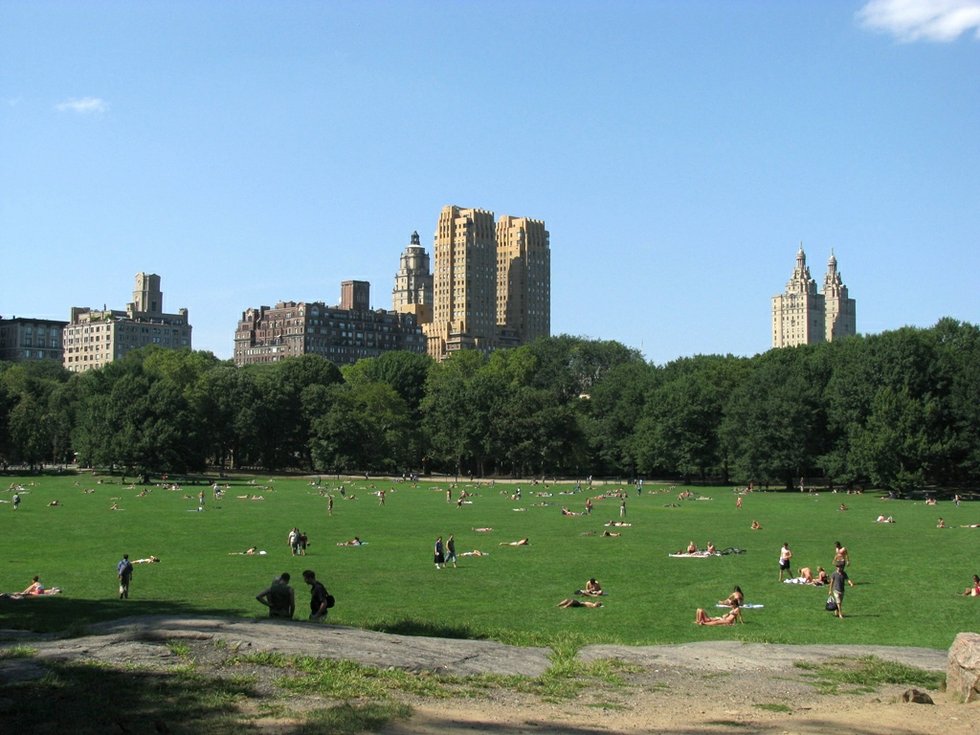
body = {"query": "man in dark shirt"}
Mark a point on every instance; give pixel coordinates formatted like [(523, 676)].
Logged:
[(279, 598), (318, 597), (837, 582), (124, 570)]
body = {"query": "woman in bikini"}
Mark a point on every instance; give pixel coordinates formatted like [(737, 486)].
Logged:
[(730, 618)]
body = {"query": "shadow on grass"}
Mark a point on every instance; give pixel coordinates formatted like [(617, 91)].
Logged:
[(55, 614), (419, 628), (87, 698)]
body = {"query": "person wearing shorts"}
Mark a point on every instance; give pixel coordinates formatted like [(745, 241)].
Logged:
[(784, 561)]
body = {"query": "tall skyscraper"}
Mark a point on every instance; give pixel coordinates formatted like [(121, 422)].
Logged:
[(412, 293), (464, 284), (802, 316), (491, 286), (523, 279)]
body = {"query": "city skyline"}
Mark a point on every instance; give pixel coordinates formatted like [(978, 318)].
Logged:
[(678, 152)]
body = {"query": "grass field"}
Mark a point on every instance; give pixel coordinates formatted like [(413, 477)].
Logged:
[(909, 575)]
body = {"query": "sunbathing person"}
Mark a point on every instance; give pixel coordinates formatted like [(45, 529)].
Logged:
[(519, 542), (569, 602), (941, 523), (756, 526), (619, 524), (148, 560), (356, 541), (484, 529), (54, 504), (692, 548), (711, 548), (592, 589), (36, 588), (884, 519), (735, 599), (611, 533), (475, 552), (974, 589), (566, 512), (730, 618)]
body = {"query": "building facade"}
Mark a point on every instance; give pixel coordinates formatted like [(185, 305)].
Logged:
[(93, 338), (491, 285), (801, 315), (23, 340), (412, 293), (340, 334)]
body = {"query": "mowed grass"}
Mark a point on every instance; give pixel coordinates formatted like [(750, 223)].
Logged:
[(909, 575)]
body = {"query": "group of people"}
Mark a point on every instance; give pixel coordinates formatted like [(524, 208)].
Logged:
[(838, 580), (444, 554), (298, 541), (280, 598)]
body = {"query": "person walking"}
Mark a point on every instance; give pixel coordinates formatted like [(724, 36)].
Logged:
[(319, 603), (437, 554), (837, 581), (784, 561), (16, 500), (451, 550), (280, 598), (124, 570)]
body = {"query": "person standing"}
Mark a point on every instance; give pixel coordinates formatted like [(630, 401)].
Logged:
[(837, 581), (293, 540), (16, 500), (437, 554), (280, 598), (124, 570), (784, 561), (318, 597), (588, 506), (451, 550), (622, 508), (330, 505)]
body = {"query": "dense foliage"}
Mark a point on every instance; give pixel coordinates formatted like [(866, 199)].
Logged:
[(897, 410)]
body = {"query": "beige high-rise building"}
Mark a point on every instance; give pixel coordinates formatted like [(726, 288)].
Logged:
[(95, 338), (802, 316), (841, 311), (464, 284), (412, 293), (523, 279), (491, 286)]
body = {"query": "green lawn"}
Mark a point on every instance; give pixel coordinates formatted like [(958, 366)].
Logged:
[(909, 574)]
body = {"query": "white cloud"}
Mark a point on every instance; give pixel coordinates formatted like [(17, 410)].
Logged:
[(917, 20), (83, 106)]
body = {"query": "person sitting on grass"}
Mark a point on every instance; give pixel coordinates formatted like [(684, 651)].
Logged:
[(884, 519), (36, 588), (356, 541), (730, 618), (735, 599), (974, 589), (519, 542), (711, 548), (941, 523), (592, 589), (569, 602), (756, 526)]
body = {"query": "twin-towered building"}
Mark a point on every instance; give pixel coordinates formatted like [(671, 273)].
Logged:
[(802, 316)]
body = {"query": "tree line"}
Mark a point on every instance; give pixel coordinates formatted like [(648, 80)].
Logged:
[(897, 410)]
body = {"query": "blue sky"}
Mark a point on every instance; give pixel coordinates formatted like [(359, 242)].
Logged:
[(679, 153)]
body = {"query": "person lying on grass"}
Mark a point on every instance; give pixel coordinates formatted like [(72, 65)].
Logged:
[(730, 618), (569, 602), (519, 542), (356, 541)]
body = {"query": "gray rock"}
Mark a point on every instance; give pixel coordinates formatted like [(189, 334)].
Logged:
[(963, 668)]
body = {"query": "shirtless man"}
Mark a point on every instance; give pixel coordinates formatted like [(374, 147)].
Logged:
[(519, 542), (569, 602), (784, 561)]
